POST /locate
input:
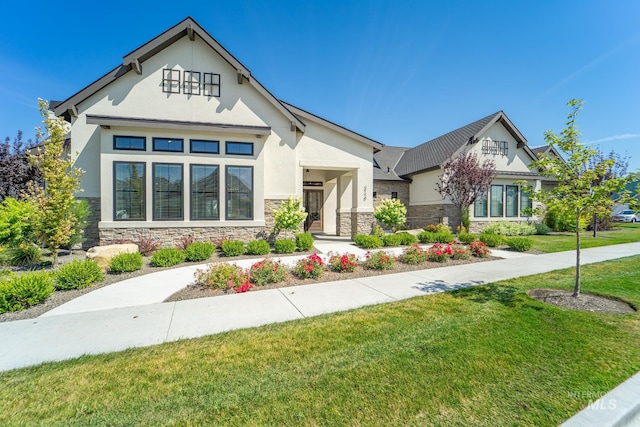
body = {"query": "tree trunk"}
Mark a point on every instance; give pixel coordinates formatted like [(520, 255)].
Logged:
[(576, 288), (595, 224), (54, 253)]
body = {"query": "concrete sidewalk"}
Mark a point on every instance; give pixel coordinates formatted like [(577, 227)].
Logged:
[(66, 336)]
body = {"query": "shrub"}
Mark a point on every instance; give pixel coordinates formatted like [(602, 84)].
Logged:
[(479, 249), (427, 236), (24, 254), (224, 276), (185, 242), (439, 253), (491, 240), (391, 240), (407, 239), (166, 257), (466, 238), (561, 220), (267, 271), (444, 236), (379, 260), (199, 251), (367, 242), (309, 267), (15, 224), (434, 228), (284, 246), (147, 246), (258, 247), (506, 228), (290, 215), (542, 228), (459, 251), (345, 263), (126, 263), (414, 254), (377, 231), (20, 292), (304, 241), (78, 275), (391, 212), (6, 274), (520, 244), (232, 248)]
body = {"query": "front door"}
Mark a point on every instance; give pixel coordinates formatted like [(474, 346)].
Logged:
[(313, 204)]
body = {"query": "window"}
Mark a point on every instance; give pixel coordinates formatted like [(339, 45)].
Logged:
[(130, 143), (375, 194), (204, 192), (191, 83), (167, 191), (211, 84), (170, 81), (203, 146), (512, 200), (239, 148), (239, 183), (394, 194), (129, 191), (168, 144), (496, 200), (494, 147), (480, 207), (525, 203)]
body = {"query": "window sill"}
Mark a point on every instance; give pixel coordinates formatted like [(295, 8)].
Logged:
[(179, 224)]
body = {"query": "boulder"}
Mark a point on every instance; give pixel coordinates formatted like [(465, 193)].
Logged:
[(103, 254)]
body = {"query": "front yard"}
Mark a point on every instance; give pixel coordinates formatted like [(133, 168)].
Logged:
[(488, 355), (558, 242)]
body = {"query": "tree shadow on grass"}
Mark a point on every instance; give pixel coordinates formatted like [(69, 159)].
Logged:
[(436, 286), (509, 296)]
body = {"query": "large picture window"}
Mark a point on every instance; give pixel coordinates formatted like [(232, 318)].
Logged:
[(167, 191), (239, 184), (525, 203), (480, 208), (512, 200), (204, 192), (496, 200), (129, 191)]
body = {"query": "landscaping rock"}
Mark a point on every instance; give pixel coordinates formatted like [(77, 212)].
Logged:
[(103, 254)]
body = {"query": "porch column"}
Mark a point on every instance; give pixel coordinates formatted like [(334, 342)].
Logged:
[(345, 202)]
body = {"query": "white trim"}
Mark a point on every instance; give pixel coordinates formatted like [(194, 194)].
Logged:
[(329, 165)]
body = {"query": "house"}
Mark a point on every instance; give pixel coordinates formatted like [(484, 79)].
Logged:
[(411, 174), (180, 138)]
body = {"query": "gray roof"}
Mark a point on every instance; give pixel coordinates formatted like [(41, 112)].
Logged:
[(540, 150), (432, 154), (385, 162)]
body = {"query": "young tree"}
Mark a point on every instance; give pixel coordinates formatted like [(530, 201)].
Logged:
[(55, 218), (584, 180), (290, 215), (616, 167), (391, 212), (15, 167), (464, 179)]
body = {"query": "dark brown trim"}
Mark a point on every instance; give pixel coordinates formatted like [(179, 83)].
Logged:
[(144, 138)]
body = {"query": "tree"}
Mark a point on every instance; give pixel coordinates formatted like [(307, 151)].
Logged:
[(391, 212), (617, 166), (55, 219), (15, 167), (584, 180), (464, 179), (290, 215)]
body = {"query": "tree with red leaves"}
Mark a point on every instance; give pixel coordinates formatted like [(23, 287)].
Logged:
[(15, 167)]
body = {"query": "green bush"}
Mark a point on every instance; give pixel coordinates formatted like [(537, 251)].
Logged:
[(284, 246), (520, 244), (166, 257), (560, 220), (444, 236), (268, 271), (15, 224), (223, 276), (78, 275), (231, 248), (199, 251), (427, 236), (377, 231), (258, 247), (367, 242), (24, 254), (125, 263), (379, 260), (506, 228), (414, 255), (23, 291), (407, 239), (392, 240), (304, 241), (466, 238), (542, 228), (490, 239)]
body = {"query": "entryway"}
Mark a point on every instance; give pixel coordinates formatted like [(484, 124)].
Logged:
[(313, 200)]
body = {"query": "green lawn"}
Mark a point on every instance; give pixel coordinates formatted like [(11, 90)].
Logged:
[(488, 355), (557, 242)]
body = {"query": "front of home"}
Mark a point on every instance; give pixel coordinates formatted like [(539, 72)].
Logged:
[(181, 139)]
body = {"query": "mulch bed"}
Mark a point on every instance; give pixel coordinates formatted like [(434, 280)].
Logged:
[(585, 302)]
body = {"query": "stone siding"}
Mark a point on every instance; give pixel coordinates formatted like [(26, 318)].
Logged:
[(362, 222), (91, 232), (383, 190), (422, 215), (171, 236), (343, 222)]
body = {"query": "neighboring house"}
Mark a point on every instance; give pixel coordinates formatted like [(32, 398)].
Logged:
[(419, 169), (181, 139)]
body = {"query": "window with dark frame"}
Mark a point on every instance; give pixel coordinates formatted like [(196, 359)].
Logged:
[(480, 207), (239, 192), (170, 81), (129, 185), (191, 85), (137, 143), (511, 200), (239, 148), (525, 203), (204, 146), (205, 192), (496, 201), (211, 84), (490, 146), (167, 192), (168, 144), (394, 194)]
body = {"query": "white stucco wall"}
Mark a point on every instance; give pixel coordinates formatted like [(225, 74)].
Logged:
[(516, 160)]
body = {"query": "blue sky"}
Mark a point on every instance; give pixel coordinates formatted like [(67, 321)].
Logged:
[(401, 72)]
